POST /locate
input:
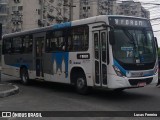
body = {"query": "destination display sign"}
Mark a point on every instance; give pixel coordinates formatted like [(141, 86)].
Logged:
[(127, 21)]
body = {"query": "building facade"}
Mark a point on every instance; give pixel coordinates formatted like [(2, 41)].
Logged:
[(4, 15), (30, 14), (89, 8), (131, 8), (54, 11), (23, 14)]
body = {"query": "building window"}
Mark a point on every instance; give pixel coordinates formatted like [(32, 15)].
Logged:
[(14, 8), (20, 8), (39, 12), (16, 1)]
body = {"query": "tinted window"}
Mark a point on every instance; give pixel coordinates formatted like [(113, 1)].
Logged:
[(7, 46), (22, 44), (55, 41), (78, 40), (27, 44), (17, 45), (74, 39)]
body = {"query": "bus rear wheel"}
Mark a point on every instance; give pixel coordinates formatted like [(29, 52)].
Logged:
[(24, 76), (81, 85)]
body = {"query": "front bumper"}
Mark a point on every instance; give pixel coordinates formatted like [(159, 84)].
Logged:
[(124, 82)]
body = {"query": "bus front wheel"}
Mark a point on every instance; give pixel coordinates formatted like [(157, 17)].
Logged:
[(24, 76), (81, 85)]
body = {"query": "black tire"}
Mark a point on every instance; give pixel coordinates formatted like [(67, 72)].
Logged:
[(81, 85), (24, 76)]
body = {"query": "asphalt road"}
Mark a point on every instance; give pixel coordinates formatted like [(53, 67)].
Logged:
[(44, 96)]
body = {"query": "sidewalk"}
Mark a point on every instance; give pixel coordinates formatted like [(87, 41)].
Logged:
[(7, 89)]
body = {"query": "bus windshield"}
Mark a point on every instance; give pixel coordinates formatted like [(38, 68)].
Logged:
[(134, 46)]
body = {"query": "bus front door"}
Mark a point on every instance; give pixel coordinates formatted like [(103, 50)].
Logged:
[(39, 50), (100, 54)]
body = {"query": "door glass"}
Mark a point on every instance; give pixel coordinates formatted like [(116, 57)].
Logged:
[(39, 47), (100, 49), (103, 39), (97, 72), (104, 58), (39, 51), (104, 74), (96, 45)]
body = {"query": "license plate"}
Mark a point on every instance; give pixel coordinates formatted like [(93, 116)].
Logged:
[(141, 84)]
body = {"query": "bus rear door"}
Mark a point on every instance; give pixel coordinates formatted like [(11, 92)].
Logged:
[(39, 50)]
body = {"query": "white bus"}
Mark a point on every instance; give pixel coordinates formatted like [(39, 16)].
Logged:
[(115, 52)]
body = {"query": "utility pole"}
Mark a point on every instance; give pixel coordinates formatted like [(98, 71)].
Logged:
[(71, 6)]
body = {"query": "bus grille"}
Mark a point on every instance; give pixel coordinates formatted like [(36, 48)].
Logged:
[(136, 81)]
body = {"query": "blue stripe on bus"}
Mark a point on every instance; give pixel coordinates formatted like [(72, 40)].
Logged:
[(125, 72), (62, 25), (59, 58), (120, 67)]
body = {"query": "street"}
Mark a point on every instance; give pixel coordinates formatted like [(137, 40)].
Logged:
[(44, 96)]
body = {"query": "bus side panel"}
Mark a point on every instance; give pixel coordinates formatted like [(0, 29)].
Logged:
[(56, 67), (12, 66), (84, 64), (6, 69)]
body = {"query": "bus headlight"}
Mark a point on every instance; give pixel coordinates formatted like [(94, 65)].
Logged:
[(118, 72)]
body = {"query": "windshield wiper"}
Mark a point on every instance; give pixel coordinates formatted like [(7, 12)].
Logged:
[(132, 41), (130, 36)]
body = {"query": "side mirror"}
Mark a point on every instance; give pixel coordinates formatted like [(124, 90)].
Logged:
[(156, 43), (111, 37)]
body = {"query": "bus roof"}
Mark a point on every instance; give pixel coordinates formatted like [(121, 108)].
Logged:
[(127, 16), (100, 18)]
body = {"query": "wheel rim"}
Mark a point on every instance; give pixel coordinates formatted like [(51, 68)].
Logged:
[(80, 83)]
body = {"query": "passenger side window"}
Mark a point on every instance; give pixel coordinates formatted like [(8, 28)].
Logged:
[(17, 45), (7, 45), (27, 44), (78, 41), (71, 39), (55, 41)]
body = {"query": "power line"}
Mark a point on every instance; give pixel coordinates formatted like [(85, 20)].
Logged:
[(151, 3), (156, 24), (157, 31), (152, 7), (155, 18)]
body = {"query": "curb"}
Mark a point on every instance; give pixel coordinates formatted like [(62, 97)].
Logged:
[(10, 92)]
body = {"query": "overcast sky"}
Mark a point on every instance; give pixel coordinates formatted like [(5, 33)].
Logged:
[(154, 13)]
